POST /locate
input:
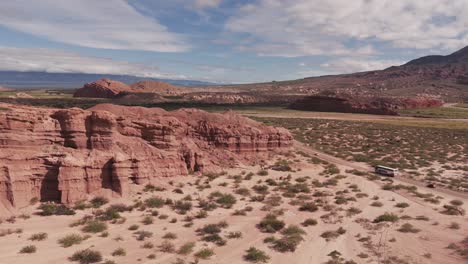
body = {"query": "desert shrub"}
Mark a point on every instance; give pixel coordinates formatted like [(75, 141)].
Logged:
[(120, 208), (377, 204), (242, 191), (333, 233), (309, 207), (119, 252), (226, 200), (456, 202), (133, 227), (454, 225), (452, 210), (186, 248), (70, 240), (28, 249), (86, 256), (260, 189), (170, 235), (109, 214), (408, 228), (309, 222), (255, 255), (54, 209), (80, 205), (386, 217), (210, 229), (281, 165), (38, 236), (201, 214), (141, 235), (182, 207), (402, 205), (94, 226), (353, 211), (270, 224), (292, 236), (262, 173), (204, 253), (147, 220), (234, 235), (155, 202), (148, 245), (167, 247), (98, 201)]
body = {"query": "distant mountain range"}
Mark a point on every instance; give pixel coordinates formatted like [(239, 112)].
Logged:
[(444, 76), (18, 79)]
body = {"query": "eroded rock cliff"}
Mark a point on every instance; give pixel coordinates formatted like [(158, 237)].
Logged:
[(63, 155)]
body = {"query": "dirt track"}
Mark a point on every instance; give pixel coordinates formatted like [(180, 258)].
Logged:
[(365, 168)]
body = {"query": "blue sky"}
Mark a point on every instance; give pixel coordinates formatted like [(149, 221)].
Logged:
[(225, 40)]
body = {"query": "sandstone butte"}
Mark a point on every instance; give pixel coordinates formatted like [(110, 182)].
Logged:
[(64, 155), (106, 88), (103, 88)]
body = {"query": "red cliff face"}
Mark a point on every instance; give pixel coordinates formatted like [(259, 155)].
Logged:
[(364, 104), (63, 155)]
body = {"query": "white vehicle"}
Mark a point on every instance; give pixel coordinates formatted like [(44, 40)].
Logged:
[(387, 171)]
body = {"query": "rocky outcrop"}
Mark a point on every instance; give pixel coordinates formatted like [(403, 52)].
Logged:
[(363, 104), (103, 88), (161, 88), (63, 155)]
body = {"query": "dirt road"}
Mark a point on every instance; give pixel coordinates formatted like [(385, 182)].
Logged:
[(402, 178)]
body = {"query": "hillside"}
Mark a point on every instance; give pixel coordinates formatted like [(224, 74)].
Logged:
[(444, 76)]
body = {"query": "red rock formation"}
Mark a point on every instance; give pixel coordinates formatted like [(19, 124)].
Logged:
[(103, 88), (63, 155), (161, 88), (364, 104)]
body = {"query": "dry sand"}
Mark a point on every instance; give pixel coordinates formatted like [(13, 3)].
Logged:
[(427, 246)]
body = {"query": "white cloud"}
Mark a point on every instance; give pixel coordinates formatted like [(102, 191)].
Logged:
[(353, 64), (206, 3), (50, 60), (314, 27), (109, 24)]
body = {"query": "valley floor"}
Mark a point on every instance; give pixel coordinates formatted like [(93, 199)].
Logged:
[(332, 214)]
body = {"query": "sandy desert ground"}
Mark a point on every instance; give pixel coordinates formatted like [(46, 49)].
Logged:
[(323, 214)]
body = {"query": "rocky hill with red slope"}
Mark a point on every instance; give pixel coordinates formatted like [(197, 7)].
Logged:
[(64, 154)]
